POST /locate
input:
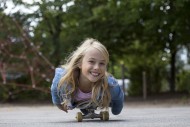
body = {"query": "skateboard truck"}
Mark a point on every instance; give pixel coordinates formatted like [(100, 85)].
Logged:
[(90, 107), (103, 115)]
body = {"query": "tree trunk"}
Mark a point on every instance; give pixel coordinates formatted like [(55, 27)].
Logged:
[(56, 41), (172, 71)]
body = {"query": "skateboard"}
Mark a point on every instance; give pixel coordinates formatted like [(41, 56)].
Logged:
[(90, 107), (103, 115)]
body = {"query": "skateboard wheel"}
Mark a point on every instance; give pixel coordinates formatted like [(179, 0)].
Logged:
[(79, 117), (104, 115), (101, 115)]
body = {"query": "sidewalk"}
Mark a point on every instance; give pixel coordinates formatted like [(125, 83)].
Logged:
[(133, 115)]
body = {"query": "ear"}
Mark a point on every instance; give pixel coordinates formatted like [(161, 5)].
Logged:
[(80, 65)]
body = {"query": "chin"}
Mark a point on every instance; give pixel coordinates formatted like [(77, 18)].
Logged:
[(93, 81), (96, 80)]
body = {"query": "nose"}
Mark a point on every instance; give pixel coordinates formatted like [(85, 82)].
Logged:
[(96, 66)]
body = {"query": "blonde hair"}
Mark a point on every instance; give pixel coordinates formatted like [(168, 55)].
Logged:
[(100, 88)]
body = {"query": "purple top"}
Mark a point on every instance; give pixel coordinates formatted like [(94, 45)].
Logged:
[(79, 96)]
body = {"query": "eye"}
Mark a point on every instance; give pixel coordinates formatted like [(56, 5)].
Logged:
[(102, 64), (91, 61)]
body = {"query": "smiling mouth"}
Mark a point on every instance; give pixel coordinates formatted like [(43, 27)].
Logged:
[(95, 74)]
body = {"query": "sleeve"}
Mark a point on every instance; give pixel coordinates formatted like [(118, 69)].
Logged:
[(54, 90), (117, 96)]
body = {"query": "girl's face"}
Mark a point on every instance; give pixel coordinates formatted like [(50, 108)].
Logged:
[(93, 65)]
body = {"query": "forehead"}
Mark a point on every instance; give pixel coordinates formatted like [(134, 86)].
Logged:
[(94, 54)]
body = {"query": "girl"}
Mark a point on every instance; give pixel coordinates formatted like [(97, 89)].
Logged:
[(84, 77)]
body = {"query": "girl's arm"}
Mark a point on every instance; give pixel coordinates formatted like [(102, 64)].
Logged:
[(56, 98), (117, 96)]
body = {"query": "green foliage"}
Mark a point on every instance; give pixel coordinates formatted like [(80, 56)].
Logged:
[(31, 95), (12, 93), (183, 82), (155, 71), (4, 93), (144, 35)]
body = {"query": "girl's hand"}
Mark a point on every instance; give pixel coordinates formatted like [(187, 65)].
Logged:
[(63, 107)]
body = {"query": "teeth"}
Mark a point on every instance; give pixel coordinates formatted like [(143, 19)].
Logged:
[(94, 73)]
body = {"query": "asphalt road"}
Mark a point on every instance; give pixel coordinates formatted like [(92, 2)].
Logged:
[(131, 116)]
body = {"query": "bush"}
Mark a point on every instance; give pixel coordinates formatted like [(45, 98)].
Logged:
[(183, 82)]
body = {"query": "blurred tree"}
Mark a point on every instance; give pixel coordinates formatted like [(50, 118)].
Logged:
[(164, 27), (23, 67), (144, 35), (173, 21)]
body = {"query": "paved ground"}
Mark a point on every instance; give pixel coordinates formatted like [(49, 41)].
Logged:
[(133, 115)]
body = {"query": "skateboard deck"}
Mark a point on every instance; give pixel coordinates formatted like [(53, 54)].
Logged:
[(103, 115), (90, 107)]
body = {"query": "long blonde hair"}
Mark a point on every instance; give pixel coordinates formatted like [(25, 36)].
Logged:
[(72, 73)]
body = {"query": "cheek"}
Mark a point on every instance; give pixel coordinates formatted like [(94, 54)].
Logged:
[(85, 66), (103, 69)]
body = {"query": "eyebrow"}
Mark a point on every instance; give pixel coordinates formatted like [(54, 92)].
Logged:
[(96, 59)]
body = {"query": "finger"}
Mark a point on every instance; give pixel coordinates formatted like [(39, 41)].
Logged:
[(65, 108)]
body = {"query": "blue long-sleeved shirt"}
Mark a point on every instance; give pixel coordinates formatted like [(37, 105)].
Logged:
[(117, 95)]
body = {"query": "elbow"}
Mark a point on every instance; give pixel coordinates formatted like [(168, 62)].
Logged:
[(117, 107), (116, 112)]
